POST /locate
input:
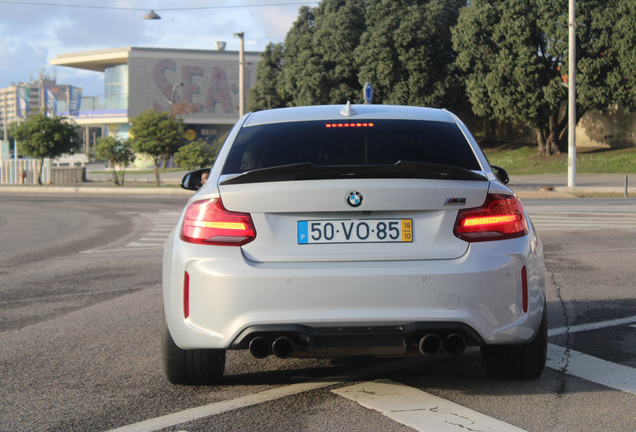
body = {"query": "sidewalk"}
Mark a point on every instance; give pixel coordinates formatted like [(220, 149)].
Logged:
[(99, 173), (100, 181), (556, 185), (527, 186)]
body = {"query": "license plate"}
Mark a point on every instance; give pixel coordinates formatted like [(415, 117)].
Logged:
[(355, 231)]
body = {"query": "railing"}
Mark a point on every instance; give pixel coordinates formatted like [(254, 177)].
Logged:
[(24, 171), (97, 103)]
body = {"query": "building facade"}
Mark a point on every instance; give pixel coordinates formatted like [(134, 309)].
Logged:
[(22, 99), (202, 86)]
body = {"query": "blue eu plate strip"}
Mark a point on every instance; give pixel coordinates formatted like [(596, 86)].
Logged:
[(303, 232)]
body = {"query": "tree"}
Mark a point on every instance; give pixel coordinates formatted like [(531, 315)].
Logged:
[(406, 52), (623, 78), (197, 154), (117, 153), (319, 67), (156, 134), (184, 108), (514, 55), (301, 73), (46, 137), (339, 27), (403, 47), (265, 93)]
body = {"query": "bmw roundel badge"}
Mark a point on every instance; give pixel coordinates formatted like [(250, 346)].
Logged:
[(354, 199)]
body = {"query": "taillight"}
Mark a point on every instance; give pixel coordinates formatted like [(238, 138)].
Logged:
[(501, 217), (208, 222)]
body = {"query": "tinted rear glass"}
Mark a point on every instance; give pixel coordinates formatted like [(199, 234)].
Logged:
[(331, 143)]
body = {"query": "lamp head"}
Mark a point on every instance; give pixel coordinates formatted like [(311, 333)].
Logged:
[(152, 16)]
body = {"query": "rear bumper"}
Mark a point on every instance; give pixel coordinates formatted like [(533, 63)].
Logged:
[(232, 297)]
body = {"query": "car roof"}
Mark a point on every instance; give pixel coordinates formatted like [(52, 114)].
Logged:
[(333, 112)]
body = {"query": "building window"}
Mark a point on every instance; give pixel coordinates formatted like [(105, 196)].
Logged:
[(116, 87)]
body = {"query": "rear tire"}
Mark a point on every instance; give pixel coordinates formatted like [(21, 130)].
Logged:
[(190, 367), (518, 362)]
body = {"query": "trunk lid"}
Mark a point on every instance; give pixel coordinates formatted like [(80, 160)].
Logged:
[(281, 210)]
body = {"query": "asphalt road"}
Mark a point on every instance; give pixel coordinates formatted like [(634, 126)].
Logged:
[(80, 313)]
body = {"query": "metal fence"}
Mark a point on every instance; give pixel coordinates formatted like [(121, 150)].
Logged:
[(24, 171)]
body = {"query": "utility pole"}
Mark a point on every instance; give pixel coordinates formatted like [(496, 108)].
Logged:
[(572, 97), (17, 120), (4, 115), (241, 36)]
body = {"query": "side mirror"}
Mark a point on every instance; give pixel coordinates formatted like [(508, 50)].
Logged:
[(194, 179), (500, 173)]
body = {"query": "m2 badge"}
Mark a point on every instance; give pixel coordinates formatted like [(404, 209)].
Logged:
[(455, 201)]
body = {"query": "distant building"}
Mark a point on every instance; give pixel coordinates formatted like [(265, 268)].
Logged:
[(136, 79), (20, 100)]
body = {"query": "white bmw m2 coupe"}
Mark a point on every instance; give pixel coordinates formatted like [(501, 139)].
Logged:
[(352, 230)]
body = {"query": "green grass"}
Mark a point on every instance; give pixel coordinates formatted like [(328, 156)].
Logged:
[(523, 159)]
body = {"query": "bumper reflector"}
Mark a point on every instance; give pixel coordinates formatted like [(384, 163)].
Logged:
[(186, 295)]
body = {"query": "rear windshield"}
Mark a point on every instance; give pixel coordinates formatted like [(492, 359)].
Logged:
[(338, 143)]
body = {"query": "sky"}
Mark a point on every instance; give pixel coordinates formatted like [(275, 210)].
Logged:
[(34, 31)]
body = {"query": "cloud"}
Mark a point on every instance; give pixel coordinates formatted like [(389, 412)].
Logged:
[(20, 61), (33, 34), (103, 29), (274, 23)]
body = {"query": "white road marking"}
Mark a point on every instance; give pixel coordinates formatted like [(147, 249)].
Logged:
[(419, 410), (592, 369), (139, 244), (122, 250), (549, 217), (587, 251), (162, 224), (411, 406), (592, 326), (270, 395)]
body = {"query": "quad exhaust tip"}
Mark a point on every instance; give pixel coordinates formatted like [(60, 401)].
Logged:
[(260, 347), (431, 344), (454, 344), (283, 347)]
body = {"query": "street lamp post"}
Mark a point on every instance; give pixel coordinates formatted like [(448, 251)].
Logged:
[(572, 96), (241, 35), (174, 87)]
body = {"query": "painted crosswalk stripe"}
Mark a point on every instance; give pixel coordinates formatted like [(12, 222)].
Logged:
[(582, 217), (591, 326), (592, 369), (144, 245), (420, 410)]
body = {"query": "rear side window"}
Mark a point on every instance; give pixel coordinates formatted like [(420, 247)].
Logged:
[(338, 143)]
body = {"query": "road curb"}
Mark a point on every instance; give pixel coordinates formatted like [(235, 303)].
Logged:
[(523, 194)]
